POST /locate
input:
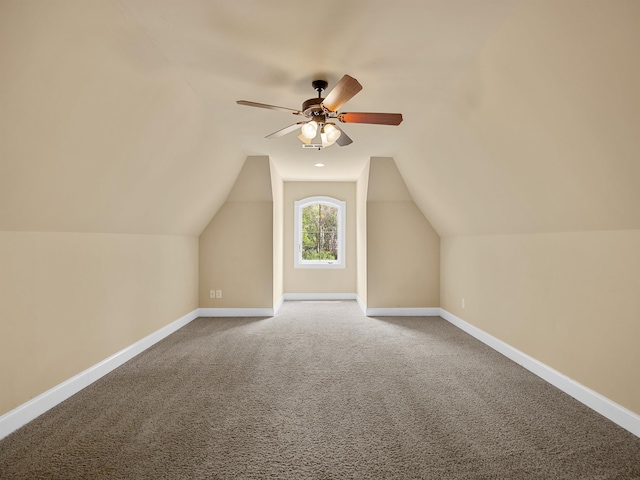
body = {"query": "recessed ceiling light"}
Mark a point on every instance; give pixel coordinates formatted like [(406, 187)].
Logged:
[(319, 165)]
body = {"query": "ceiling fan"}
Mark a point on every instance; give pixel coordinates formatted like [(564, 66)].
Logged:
[(319, 131)]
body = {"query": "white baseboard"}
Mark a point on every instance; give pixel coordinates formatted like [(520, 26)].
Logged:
[(363, 307), (235, 312), (278, 305), (402, 312), (20, 416), (369, 312), (319, 296), (616, 413)]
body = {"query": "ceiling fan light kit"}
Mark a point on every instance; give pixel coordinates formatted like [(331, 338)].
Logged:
[(317, 131)]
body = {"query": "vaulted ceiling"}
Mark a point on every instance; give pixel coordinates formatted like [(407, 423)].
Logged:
[(120, 116)]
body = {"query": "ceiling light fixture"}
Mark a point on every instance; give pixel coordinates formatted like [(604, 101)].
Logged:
[(319, 165), (316, 131)]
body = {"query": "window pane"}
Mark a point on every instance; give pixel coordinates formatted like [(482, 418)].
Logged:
[(319, 232)]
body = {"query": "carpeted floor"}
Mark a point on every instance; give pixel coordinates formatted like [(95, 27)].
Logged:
[(320, 392)]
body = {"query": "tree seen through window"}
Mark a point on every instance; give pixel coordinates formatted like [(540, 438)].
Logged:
[(319, 232)]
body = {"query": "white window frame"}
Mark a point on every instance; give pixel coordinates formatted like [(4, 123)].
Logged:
[(341, 206)]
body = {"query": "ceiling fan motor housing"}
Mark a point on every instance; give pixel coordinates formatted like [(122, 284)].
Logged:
[(313, 107)]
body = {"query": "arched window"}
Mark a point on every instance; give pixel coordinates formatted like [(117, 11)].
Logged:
[(319, 228)]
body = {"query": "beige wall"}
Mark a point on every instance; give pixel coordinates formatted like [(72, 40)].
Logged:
[(70, 300), (236, 248), (362, 186), (313, 280), (403, 249), (569, 300), (277, 187), (530, 175)]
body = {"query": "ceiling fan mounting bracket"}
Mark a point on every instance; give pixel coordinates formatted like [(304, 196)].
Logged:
[(319, 86)]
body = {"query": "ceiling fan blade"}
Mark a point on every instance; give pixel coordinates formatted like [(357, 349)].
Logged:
[(269, 107), (344, 139), (344, 91), (372, 118), (285, 130)]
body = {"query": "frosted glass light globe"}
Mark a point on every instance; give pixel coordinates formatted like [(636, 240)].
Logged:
[(332, 132), (309, 129)]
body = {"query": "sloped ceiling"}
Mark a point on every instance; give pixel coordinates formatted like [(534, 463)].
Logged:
[(541, 133), (120, 116), (99, 131)]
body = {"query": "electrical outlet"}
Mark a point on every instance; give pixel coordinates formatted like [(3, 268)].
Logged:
[(218, 293), (462, 304), (212, 294)]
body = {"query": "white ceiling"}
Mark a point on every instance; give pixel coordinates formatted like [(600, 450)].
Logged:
[(120, 116), (404, 54)]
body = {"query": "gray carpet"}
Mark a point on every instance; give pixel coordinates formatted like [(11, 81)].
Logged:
[(320, 392)]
